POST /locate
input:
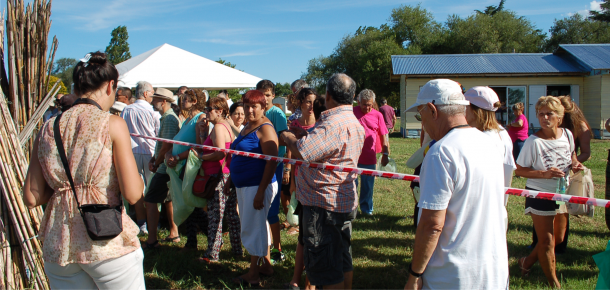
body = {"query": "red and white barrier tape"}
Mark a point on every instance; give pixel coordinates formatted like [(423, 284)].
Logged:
[(390, 175)]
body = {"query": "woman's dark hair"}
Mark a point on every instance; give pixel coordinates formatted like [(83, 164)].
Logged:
[(234, 107), (89, 76), (195, 96), (319, 106), (304, 93), (218, 103), (176, 109)]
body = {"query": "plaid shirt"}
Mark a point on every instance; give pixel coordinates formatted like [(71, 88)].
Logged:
[(170, 125), (337, 140)]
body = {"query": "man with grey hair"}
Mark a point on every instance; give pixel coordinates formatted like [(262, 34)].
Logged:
[(376, 131), (142, 119), (296, 86), (460, 242), (329, 197)]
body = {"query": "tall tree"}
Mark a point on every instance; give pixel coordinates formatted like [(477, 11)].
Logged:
[(415, 29), (63, 69), (577, 29), (491, 10), (234, 94), (282, 90), (603, 15), (117, 50)]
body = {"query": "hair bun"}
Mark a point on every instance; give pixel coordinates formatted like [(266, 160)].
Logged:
[(568, 105), (98, 58), (497, 105)]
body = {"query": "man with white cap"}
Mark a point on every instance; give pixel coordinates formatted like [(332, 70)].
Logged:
[(157, 190), (460, 241)]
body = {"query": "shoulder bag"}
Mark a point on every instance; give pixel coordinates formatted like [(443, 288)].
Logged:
[(102, 221), (205, 185)]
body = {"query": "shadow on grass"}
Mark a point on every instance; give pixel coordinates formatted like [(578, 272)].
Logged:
[(382, 222)]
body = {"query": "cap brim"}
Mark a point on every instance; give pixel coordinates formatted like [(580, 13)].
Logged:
[(413, 108), (163, 97)]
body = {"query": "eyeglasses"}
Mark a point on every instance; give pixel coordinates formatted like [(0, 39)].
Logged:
[(418, 115)]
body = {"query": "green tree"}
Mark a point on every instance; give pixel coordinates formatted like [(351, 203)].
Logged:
[(229, 64), (604, 15), (282, 90), (505, 32), (117, 50), (577, 29), (63, 69), (491, 10), (414, 29)]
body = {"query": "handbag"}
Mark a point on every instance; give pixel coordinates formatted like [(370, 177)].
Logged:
[(102, 221), (205, 185), (581, 184)]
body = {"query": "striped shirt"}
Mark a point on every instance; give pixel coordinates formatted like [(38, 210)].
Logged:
[(141, 119), (170, 125), (337, 140)]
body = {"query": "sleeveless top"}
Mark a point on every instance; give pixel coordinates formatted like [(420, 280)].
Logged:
[(212, 167), (186, 134), (248, 171), (86, 138)]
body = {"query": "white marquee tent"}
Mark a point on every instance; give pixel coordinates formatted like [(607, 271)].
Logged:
[(168, 66)]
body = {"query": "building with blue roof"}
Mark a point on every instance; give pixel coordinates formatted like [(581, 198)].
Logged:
[(578, 70)]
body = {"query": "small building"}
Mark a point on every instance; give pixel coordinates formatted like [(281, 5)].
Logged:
[(579, 70)]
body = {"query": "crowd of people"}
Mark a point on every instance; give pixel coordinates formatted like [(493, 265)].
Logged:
[(461, 212)]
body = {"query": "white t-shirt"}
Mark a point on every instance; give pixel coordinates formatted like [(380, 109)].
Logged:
[(504, 141), (229, 102), (540, 154), (466, 178)]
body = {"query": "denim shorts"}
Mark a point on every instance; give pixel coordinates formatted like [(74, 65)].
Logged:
[(327, 243)]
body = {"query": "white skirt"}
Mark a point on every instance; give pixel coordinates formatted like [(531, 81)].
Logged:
[(255, 232)]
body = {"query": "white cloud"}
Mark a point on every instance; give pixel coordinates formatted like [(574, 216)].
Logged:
[(244, 53), (593, 6)]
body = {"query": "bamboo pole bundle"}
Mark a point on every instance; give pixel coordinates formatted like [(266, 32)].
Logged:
[(26, 134), (27, 31), (27, 266)]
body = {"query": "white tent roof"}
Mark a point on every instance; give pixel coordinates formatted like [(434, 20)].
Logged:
[(167, 66)]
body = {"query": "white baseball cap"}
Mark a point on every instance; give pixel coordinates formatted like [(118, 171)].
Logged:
[(482, 97), (439, 92)]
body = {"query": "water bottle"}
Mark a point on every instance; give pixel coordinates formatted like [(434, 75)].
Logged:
[(561, 188)]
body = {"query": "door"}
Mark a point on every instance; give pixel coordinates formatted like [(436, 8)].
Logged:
[(535, 93), (514, 94)]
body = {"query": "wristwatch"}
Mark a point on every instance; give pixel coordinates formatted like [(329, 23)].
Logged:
[(416, 275)]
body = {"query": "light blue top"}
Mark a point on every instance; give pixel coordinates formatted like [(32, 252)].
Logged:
[(187, 134), (278, 119)]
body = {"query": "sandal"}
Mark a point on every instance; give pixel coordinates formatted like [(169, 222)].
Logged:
[(172, 240), (284, 225), (152, 246), (524, 272)]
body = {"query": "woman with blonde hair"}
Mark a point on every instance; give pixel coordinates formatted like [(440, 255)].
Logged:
[(103, 168), (547, 156), (481, 114)]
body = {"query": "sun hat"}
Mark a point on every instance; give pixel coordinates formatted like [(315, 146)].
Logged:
[(165, 94), (482, 97), (439, 92), (118, 106)]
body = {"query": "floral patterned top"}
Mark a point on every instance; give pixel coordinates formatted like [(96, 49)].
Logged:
[(86, 138)]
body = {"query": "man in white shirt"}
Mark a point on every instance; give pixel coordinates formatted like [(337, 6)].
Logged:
[(460, 241), (142, 119), (225, 95)]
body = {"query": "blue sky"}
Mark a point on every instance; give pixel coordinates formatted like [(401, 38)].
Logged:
[(269, 39)]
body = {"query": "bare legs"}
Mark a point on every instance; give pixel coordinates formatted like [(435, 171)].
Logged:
[(253, 275), (544, 252), (152, 212)]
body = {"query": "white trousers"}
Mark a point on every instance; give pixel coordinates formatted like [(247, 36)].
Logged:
[(255, 232), (126, 272)]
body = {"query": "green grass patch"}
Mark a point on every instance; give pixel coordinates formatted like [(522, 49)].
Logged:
[(383, 243)]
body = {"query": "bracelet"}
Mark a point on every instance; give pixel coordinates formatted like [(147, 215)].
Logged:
[(386, 154), (416, 275)]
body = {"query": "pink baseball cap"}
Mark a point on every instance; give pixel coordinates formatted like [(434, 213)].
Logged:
[(482, 97)]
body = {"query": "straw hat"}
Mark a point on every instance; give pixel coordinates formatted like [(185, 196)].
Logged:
[(118, 106), (165, 94)]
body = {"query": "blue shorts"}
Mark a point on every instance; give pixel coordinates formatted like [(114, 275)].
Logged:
[(274, 211)]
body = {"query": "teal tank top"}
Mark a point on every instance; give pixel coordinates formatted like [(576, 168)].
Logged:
[(186, 134)]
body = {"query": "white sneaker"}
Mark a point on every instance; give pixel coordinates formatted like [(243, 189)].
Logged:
[(143, 230)]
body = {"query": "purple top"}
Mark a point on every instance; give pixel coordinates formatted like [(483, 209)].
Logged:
[(388, 115)]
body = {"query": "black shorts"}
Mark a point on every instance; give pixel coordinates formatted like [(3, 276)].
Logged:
[(328, 247), (157, 189), (299, 212), (540, 206), (286, 187)]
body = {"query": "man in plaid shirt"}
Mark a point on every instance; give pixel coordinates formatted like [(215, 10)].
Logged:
[(329, 198)]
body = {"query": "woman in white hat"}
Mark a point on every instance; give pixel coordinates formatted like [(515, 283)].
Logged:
[(481, 114)]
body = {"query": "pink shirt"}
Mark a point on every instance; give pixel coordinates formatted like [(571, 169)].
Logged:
[(519, 133), (373, 125), (213, 167)]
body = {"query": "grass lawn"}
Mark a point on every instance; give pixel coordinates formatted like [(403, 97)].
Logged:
[(383, 243)]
